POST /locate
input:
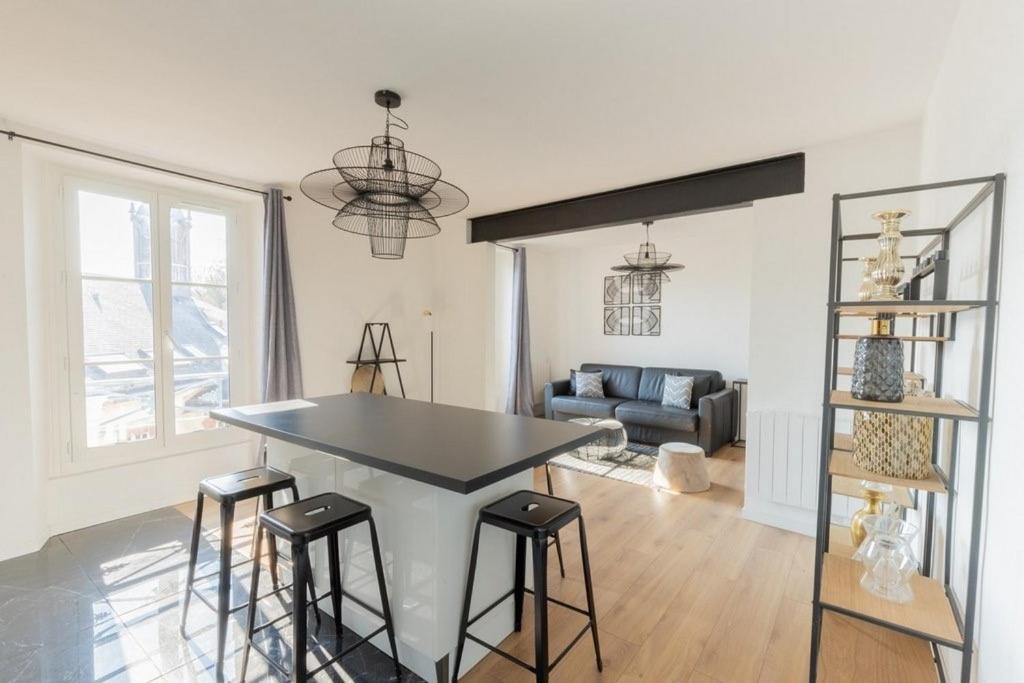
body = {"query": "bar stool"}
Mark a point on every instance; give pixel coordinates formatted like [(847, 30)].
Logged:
[(558, 539), (228, 490), (532, 515), (300, 523)]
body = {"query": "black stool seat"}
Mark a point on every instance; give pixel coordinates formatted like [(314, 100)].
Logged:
[(537, 517), (529, 511), (245, 484), (313, 518), (320, 517)]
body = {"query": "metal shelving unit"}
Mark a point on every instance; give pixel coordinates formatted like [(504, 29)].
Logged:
[(935, 614)]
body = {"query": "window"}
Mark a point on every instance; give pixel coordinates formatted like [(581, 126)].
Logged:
[(151, 306)]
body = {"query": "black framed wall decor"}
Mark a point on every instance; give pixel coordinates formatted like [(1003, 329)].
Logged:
[(616, 290), (646, 321), (616, 321), (646, 288)]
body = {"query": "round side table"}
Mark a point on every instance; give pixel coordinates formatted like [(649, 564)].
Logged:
[(611, 443), (681, 468)]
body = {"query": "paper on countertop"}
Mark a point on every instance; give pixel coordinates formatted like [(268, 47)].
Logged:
[(276, 407)]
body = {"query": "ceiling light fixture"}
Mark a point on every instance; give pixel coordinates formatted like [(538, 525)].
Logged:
[(384, 191), (647, 260)]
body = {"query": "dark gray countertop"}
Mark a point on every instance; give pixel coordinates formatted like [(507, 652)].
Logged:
[(459, 449)]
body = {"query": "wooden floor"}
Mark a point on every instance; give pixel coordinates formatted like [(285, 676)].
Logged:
[(687, 590)]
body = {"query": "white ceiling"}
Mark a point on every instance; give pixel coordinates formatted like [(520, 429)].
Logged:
[(520, 102)]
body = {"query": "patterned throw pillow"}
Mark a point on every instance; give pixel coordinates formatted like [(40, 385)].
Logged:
[(590, 384), (677, 392)]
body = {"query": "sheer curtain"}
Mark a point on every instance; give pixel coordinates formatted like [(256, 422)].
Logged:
[(281, 375), (519, 399)]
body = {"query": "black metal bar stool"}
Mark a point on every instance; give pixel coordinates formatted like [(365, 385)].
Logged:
[(228, 490), (558, 539), (532, 515), (301, 523)]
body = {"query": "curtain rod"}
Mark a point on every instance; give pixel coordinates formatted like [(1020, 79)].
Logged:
[(11, 135)]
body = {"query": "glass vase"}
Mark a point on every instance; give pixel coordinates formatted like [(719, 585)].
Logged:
[(888, 557), (867, 281)]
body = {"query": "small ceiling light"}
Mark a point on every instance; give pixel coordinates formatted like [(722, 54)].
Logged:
[(385, 191)]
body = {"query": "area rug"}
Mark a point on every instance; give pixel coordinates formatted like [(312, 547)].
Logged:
[(635, 464)]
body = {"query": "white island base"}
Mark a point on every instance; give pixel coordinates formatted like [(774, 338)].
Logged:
[(425, 536)]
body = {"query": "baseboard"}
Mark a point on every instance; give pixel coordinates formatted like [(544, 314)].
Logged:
[(798, 520)]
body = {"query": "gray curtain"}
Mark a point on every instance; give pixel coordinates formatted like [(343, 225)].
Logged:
[(282, 369), (520, 374)]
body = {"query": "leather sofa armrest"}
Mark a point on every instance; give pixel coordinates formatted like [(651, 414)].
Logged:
[(559, 387), (716, 420)]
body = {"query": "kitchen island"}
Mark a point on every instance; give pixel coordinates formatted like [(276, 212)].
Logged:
[(425, 469)]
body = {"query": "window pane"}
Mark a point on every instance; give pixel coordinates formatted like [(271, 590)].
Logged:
[(199, 321), (120, 403), (198, 247), (114, 236), (117, 320), (199, 387)]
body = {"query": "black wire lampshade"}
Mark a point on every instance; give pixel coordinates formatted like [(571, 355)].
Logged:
[(384, 191), (647, 260)]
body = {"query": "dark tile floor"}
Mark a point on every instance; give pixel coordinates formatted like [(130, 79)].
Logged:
[(103, 604)]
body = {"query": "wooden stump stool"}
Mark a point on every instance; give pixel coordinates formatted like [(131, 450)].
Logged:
[(681, 468)]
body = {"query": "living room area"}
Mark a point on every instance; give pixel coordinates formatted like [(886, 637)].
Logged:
[(662, 342)]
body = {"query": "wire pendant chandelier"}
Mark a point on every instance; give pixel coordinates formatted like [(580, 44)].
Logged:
[(647, 260), (384, 191)]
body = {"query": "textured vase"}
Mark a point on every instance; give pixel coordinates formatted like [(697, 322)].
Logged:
[(867, 281), (878, 369), (889, 266)]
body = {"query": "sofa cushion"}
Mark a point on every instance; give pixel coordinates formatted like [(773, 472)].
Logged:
[(620, 381), (653, 414), (652, 383), (590, 384), (585, 407)]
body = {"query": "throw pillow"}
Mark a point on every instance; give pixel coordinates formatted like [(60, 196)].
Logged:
[(677, 392), (590, 384), (572, 382)]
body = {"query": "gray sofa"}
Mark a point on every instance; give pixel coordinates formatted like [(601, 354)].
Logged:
[(632, 395)]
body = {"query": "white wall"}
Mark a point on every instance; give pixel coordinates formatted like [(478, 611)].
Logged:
[(705, 308), (42, 499), (974, 125), (789, 289)]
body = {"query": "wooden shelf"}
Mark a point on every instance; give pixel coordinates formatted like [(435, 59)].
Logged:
[(911, 405), (842, 442), (839, 541), (873, 308), (842, 485), (371, 361), (908, 338), (906, 375), (929, 614), (841, 465)]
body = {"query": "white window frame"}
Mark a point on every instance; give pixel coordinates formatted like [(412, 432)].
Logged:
[(76, 456)]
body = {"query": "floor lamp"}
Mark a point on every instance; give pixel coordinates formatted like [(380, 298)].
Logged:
[(428, 317)]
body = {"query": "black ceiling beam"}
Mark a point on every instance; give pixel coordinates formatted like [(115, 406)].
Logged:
[(708, 190)]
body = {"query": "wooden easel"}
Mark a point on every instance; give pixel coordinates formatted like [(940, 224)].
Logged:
[(376, 346)]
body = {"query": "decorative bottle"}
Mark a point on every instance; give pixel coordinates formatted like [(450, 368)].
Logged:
[(889, 267), (878, 364)]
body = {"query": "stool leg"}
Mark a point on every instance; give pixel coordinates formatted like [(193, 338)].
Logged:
[(193, 555), (309, 574), (540, 607), (520, 580), (300, 567), (268, 505), (384, 604), (590, 593), (464, 621), (558, 539), (227, 520), (250, 619), (333, 555)]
